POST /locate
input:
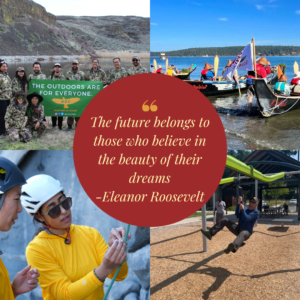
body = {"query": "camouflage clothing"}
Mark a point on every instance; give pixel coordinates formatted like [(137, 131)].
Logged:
[(140, 70), (79, 75), (40, 75), (99, 75), (36, 116), (15, 119), (61, 77), (5, 86), (16, 86), (114, 75)]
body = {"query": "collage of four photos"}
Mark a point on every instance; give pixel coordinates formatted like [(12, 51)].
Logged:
[(58, 58)]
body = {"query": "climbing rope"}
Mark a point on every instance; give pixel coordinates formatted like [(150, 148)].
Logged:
[(118, 270)]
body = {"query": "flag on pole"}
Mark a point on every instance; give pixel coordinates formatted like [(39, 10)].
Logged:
[(244, 61)]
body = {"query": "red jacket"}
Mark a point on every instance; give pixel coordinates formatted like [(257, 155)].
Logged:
[(268, 70), (260, 71), (295, 81)]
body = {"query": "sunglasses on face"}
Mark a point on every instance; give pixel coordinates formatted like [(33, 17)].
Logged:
[(134, 60), (20, 71), (55, 211), (253, 202)]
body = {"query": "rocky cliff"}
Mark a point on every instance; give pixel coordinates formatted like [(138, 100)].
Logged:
[(27, 29)]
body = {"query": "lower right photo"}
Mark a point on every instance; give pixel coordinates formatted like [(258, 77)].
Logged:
[(244, 243)]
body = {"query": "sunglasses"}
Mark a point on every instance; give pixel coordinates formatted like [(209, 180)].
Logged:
[(134, 60), (55, 211), (21, 71), (253, 202)]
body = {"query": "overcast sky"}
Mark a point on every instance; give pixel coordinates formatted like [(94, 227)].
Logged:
[(139, 8)]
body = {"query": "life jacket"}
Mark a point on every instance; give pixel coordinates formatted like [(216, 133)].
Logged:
[(295, 81), (204, 72)]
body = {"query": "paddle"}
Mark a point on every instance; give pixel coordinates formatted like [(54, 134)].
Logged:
[(296, 68), (279, 72), (167, 62), (155, 64), (216, 65)]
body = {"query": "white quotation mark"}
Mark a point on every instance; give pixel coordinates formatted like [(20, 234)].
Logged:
[(84, 282)]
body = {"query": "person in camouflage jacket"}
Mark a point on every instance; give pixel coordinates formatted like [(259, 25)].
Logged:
[(37, 73), (56, 75), (35, 113), (74, 74), (96, 73), (15, 119), (137, 68), (118, 72), (20, 82), (5, 95)]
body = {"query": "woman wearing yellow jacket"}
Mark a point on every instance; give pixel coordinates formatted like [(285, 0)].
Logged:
[(73, 260), (11, 179)]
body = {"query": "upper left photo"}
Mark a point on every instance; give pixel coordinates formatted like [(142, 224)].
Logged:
[(68, 41)]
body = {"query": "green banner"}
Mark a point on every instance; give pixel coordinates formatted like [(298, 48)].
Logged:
[(67, 98)]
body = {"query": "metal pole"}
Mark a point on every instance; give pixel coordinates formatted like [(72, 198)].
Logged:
[(204, 227), (256, 194), (298, 199), (214, 205)]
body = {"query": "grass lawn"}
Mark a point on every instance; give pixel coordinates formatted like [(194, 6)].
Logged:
[(51, 140)]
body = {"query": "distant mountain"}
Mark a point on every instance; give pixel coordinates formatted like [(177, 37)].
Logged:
[(234, 50), (26, 28)]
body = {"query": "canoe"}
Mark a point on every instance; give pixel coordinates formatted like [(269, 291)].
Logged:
[(185, 76), (271, 104), (217, 88)]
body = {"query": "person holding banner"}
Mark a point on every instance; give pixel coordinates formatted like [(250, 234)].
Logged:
[(137, 68), (96, 73), (15, 119), (20, 82), (260, 73), (36, 114), (56, 75), (5, 95), (74, 74), (73, 260), (37, 72), (11, 179), (207, 72)]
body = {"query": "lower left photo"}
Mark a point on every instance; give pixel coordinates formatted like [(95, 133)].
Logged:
[(55, 243)]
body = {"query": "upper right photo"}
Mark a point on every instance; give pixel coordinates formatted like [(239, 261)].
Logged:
[(243, 56)]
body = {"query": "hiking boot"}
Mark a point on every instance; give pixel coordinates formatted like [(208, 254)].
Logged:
[(229, 248), (207, 234), (53, 127), (69, 127), (60, 128)]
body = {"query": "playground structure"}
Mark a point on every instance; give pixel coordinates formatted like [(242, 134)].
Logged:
[(249, 172), (267, 267)]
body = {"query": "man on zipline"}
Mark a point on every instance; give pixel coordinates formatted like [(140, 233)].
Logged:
[(243, 230)]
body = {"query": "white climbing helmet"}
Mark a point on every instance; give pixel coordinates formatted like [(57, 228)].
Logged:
[(38, 190)]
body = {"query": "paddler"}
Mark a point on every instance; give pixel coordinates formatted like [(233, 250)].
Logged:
[(261, 73), (296, 79), (282, 87), (228, 65), (207, 73)]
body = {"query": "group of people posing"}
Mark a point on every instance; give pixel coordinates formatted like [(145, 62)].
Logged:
[(16, 103)]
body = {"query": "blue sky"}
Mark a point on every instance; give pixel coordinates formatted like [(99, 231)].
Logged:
[(182, 24)]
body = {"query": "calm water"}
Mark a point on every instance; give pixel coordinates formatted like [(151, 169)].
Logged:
[(245, 132), (84, 65)]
